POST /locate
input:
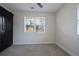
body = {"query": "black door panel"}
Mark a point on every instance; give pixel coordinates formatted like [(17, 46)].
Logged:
[(6, 28)]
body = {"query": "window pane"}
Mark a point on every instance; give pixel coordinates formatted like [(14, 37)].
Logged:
[(40, 25), (29, 25), (78, 27)]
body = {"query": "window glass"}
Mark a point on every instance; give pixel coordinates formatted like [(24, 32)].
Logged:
[(34, 24)]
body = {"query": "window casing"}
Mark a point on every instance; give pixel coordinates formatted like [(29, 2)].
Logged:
[(34, 24)]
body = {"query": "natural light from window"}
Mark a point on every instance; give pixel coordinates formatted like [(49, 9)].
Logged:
[(34, 24), (77, 19)]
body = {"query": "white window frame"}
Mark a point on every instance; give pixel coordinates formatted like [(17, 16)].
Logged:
[(25, 18)]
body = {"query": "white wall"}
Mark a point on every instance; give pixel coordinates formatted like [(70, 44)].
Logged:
[(66, 29), (21, 37)]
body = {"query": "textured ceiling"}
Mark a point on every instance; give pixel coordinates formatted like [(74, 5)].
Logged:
[(47, 7)]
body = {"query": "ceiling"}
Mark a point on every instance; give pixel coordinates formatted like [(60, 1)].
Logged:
[(47, 7)]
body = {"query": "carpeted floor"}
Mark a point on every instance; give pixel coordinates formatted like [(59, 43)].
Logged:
[(34, 50)]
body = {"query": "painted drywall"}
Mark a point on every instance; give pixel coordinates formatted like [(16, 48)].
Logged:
[(21, 37), (66, 29)]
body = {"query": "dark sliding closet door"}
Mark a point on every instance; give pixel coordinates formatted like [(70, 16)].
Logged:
[(6, 28)]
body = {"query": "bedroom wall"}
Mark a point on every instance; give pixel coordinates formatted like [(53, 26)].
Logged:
[(21, 37), (66, 36)]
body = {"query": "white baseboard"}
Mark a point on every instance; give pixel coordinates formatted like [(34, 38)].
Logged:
[(18, 43), (69, 52)]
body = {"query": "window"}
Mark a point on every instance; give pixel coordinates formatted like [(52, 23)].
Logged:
[(34, 24), (77, 19)]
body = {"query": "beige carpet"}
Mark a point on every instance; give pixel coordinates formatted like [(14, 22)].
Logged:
[(34, 50)]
